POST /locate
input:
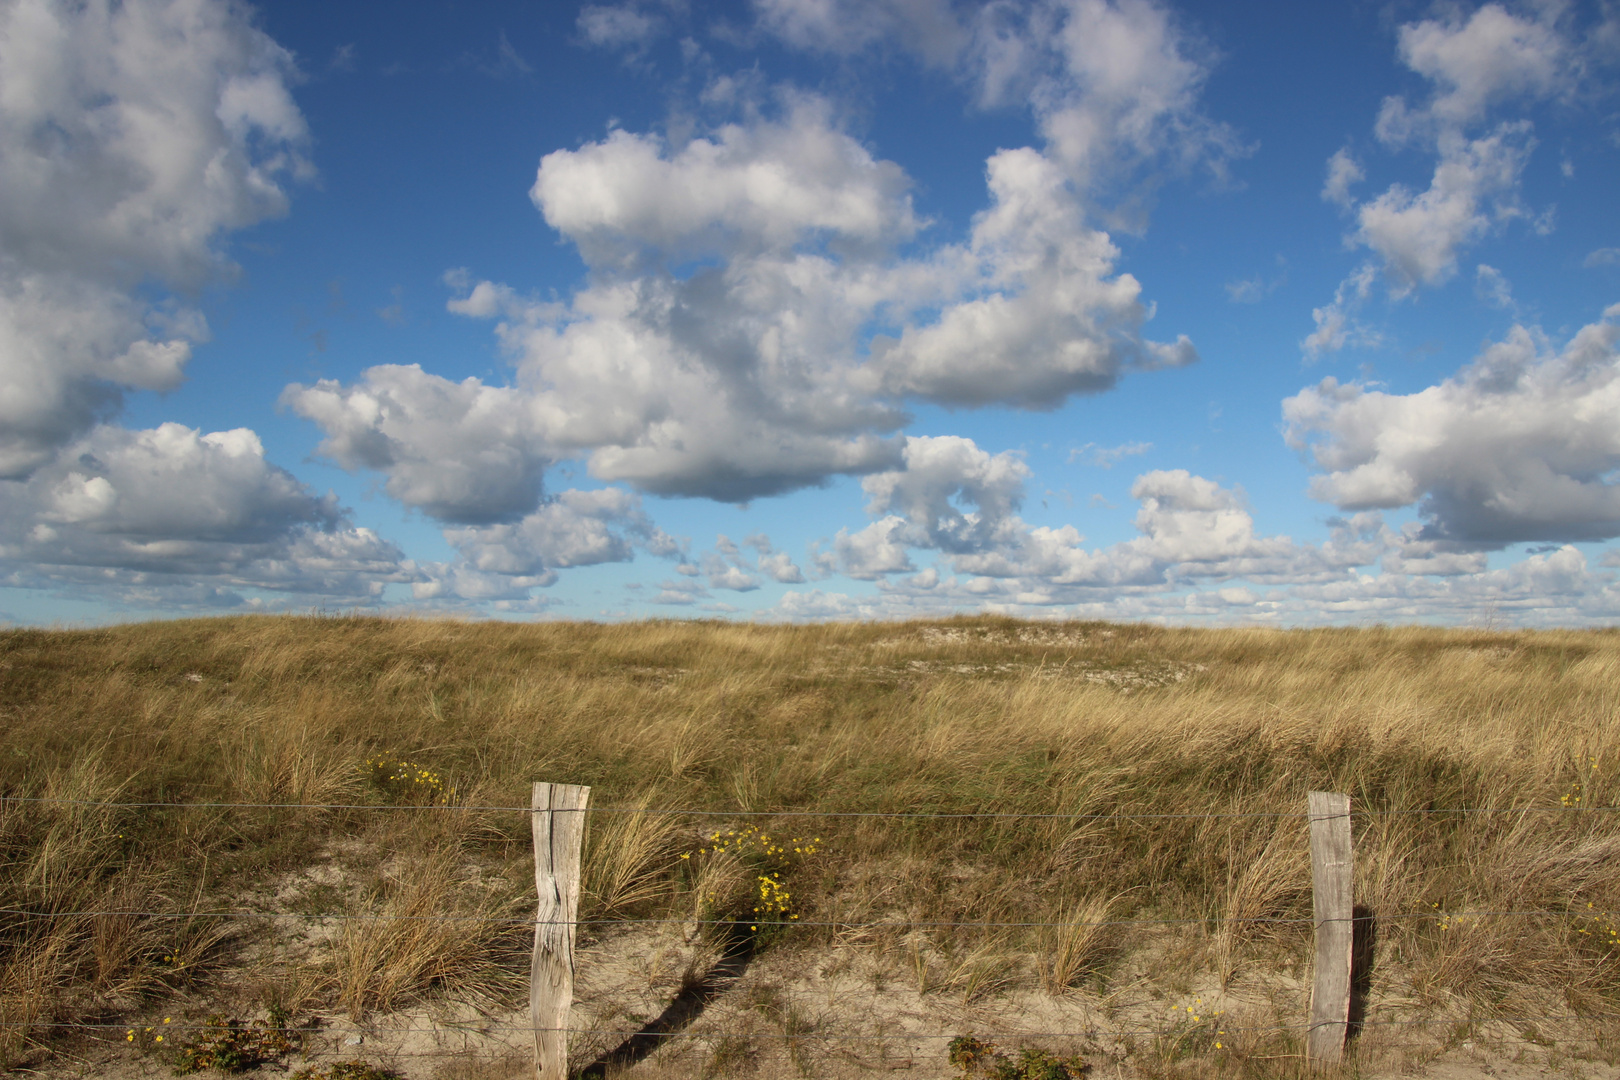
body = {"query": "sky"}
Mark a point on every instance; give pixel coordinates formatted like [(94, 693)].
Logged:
[(1274, 313)]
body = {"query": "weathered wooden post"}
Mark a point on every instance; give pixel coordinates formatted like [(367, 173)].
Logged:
[(558, 820), (1332, 872)]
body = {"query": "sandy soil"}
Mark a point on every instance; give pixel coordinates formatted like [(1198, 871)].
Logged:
[(855, 1011)]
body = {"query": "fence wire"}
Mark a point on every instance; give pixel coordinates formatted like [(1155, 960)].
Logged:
[(842, 924), (688, 1033), (918, 815)]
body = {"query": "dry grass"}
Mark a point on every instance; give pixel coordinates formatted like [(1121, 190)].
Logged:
[(399, 947), (965, 715)]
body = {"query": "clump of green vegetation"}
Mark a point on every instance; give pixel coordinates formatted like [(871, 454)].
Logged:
[(768, 859), (975, 1057), (407, 781), (1193, 1030), (346, 1070), (235, 1046)]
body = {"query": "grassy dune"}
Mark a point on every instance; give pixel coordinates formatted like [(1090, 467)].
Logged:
[(969, 715)]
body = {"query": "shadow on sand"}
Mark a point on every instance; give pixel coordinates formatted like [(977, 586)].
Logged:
[(686, 1007)]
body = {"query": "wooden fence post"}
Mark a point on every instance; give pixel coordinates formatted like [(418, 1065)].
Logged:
[(558, 821), (1332, 873)]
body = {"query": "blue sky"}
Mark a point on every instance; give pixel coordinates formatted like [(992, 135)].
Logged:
[(794, 309)]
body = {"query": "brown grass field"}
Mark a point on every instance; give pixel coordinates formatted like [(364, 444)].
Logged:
[(387, 890)]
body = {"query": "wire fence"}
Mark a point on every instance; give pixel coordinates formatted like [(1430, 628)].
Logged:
[(835, 1036), (920, 815), (716, 986), (841, 924)]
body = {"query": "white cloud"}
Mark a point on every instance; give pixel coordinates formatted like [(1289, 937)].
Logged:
[(1609, 256), (1520, 445), (750, 375), (1336, 322), (749, 188), (726, 566), (619, 26), (132, 137), (812, 605), (734, 578), (172, 510), (931, 28), (576, 528), (1246, 291), (961, 501), (1555, 589), (941, 477), (1125, 92), (1491, 56), (1550, 589), (1106, 457), (1113, 84), (1343, 171), (779, 566), (462, 452), (679, 593), (1409, 553), (506, 560), (1491, 286), (874, 551), (1475, 187), (776, 565), (1051, 322)]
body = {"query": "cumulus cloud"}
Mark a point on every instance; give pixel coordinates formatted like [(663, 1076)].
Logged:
[(1474, 63), (874, 551), (763, 304), (630, 27), (1124, 92), (463, 452), (1520, 445), (747, 188), (750, 326), (133, 136), (1551, 589), (1475, 187), (780, 567), (504, 561), (1491, 56), (776, 565), (953, 496), (1056, 325), (1336, 323), (1113, 85), (1558, 588), (172, 508), (961, 501)]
